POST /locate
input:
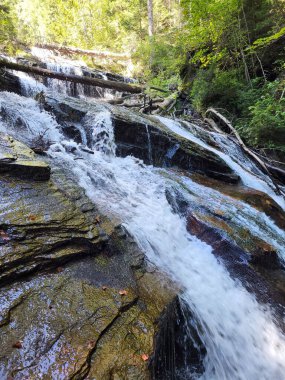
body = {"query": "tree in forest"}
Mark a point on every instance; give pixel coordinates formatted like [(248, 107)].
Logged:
[(150, 18), (7, 24)]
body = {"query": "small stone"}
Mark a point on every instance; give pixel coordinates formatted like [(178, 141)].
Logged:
[(4, 236), (18, 344), (87, 207)]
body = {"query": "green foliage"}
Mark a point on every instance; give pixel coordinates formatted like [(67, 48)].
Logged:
[(7, 29), (221, 48), (258, 111), (265, 41), (160, 59), (267, 117), (217, 88)]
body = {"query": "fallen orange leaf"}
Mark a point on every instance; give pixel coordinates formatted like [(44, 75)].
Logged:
[(17, 345), (145, 357)]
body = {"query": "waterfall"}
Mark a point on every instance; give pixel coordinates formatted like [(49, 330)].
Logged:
[(240, 335), (33, 84), (102, 132), (254, 181)]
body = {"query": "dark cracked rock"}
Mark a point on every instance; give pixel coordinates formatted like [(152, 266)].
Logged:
[(179, 351)]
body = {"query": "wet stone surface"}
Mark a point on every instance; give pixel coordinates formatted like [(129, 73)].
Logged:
[(20, 161), (73, 288), (144, 137)]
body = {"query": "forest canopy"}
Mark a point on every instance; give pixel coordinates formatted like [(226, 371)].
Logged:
[(223, 53)]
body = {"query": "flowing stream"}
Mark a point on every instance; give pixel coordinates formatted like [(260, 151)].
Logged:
[(240, 335)]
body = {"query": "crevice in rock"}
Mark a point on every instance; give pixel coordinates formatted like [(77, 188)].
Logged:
[(43, 261), (83, 371)]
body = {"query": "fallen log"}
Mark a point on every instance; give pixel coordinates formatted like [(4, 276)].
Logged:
[(121, 101), (166, 105), (230, 128), (69, 50), (119, 86), (213, 125)]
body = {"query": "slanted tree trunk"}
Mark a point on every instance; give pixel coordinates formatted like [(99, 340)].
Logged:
[(114, 85), (119, 86), (69, 50), (227, 124)]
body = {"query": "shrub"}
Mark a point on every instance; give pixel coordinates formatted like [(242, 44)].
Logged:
[(220, 89)]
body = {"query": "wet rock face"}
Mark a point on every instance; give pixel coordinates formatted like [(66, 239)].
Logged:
[(73, 286), (266, 257), (69, 323), (40, 225), (145, 138), (9, 82), (18, 160), (58, 321), (244, 265), (73, 133), (179, 351), (156, 146), (255, 198)]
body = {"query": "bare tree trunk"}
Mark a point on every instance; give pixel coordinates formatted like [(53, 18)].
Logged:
[(69, 50), (260, 162), (115, 85), (150, 17), (119, 86)]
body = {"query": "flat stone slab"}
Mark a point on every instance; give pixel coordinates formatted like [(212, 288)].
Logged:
[(19, 160)]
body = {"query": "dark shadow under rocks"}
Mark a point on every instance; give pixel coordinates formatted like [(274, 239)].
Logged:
[(179, 351)]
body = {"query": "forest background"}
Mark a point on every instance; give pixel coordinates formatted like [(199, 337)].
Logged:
[(228, 54)]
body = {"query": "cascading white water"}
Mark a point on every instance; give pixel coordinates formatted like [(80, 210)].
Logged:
[(62, 65), (240, 336), (103, 133), (254, 181)]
